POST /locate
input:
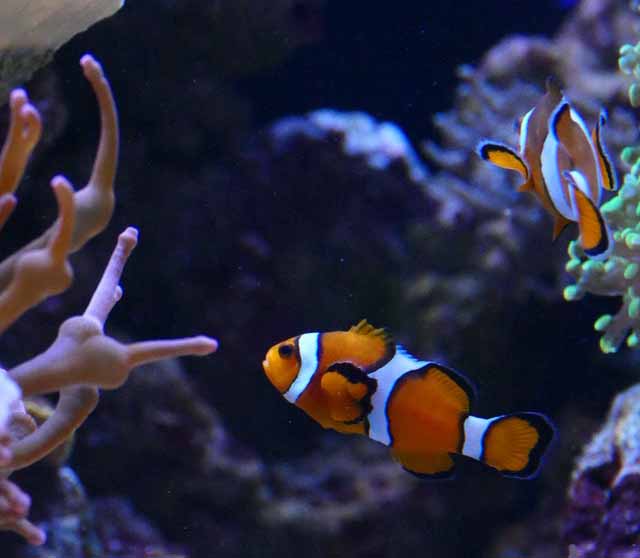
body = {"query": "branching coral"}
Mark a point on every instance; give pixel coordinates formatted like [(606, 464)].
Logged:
[(619, 274), (82, 359)]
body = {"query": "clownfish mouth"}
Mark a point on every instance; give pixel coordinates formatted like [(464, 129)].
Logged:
[(265, 365)]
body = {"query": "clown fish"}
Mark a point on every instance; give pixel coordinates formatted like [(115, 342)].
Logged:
[(564, 165), (360, 382)]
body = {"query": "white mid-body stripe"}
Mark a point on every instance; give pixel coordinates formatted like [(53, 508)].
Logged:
[(474, 429), (386, 376), (308, 348), (594, 150), (551, 173)]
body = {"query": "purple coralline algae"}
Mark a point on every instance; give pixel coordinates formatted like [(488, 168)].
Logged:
[(603, 516)]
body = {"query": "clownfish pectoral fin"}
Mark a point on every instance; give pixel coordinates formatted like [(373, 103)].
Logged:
[(426, 465), (595, 236), (503, 156), (607, 171), (515, 444), (348, 391), (559, 224)]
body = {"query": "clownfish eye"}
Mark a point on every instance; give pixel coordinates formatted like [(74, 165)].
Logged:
[(285, 351)]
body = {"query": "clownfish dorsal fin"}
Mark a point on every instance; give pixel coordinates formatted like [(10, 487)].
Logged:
[(449, 385), (604, 161), (432, 386), (560, 123), (552, 85), (363, 327)]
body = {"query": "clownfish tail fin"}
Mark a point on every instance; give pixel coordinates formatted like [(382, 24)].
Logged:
[(515, 444)]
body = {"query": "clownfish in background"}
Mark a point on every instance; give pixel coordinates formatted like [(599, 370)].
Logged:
[(564, 165), (360, 382)]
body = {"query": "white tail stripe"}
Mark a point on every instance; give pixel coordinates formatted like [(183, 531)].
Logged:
[(308, 347), (474, 429)]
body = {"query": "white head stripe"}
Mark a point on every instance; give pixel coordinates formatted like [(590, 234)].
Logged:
[(308, 348), (474, 429), (524, 128), (387, 376)]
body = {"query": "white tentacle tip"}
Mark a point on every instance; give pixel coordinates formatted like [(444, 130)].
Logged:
[(205, 345)]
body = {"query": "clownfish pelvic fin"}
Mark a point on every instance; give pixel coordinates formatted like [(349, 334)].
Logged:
[(595, 236), (503, 156)]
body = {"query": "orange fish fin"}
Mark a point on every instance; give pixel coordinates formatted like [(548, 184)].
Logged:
[(552, 86), (526, 186), (559, 224), (348, 391), (503, 156), (363, 327), (377, 349), (607, 171), (514, 444), (561, 125), (426, 465), (595, 236), (446, 384)]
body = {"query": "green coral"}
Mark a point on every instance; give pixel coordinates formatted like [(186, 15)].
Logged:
[(618, 275)]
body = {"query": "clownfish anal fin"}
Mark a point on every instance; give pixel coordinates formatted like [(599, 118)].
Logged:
[(515, 444), (607, 171), (502, 156), (526, 186), (434, 466), (559, 224), (595, 236), (348, 391)]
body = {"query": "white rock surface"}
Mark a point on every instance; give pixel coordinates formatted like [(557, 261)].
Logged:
[(48, 24), (32, 30)]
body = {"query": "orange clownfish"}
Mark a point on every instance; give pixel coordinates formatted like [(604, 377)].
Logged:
[(564, 165), (360, 382)]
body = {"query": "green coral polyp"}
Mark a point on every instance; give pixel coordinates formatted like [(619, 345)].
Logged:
[(603, 322), (619, 274)]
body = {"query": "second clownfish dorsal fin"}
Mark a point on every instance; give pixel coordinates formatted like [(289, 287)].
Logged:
[(433, 384)]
